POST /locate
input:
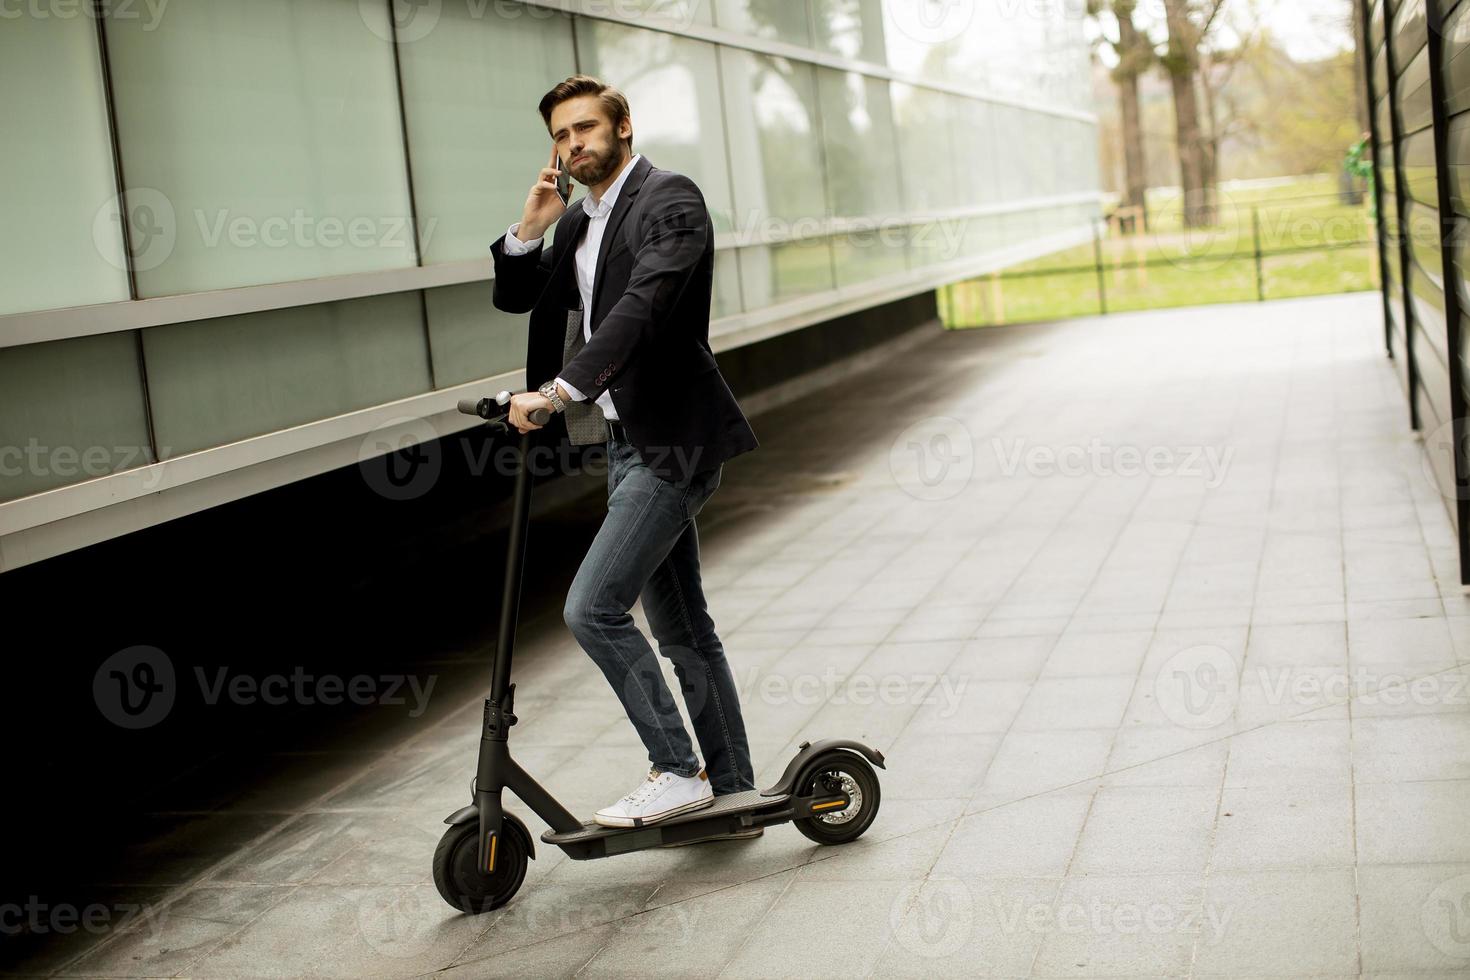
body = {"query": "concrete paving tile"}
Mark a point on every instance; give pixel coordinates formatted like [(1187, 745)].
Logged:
[(1284, 826), (924, 765), (1264, 922), (858, 921), (684, 932), (1027, 838), (345, 931), (1003, 658), (1036, 762), (1413, 748), (1166, 755), (1068, 703), (978, 927), (1126, 926), (1147, 830), (1412, 823), (970, 705), (1291, 753), (1078, 654), (1414, 918)]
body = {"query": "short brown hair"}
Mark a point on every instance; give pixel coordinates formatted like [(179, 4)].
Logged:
[(614, 103)]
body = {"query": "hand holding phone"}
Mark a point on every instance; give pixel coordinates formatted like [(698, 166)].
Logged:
[(547, 200), (563, 182)]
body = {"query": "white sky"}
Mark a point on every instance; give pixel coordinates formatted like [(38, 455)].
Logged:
[(1309, 29)]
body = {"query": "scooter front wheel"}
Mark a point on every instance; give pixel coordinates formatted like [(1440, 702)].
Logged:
[(457, 874)]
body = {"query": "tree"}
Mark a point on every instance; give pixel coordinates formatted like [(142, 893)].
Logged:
[(1135, 56), (1187, 23)]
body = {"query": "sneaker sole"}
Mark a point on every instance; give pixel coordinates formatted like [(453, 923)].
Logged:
[(602, 821)]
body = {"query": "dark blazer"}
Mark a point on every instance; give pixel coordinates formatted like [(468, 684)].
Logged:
[(650, 321)]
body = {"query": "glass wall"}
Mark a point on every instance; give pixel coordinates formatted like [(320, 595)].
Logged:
[(287, 147)]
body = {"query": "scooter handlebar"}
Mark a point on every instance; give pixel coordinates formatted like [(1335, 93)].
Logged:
[(488, 409)]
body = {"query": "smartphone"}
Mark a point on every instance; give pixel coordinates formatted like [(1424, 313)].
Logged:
[(563, 182)]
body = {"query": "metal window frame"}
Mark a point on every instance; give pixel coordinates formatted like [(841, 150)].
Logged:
[(1444, 179), (1370, 57), (1390, 16), (40, 326)]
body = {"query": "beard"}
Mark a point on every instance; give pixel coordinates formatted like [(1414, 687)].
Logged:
[(597, 167)]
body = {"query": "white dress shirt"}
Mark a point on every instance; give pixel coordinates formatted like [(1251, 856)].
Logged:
[(587, 249)]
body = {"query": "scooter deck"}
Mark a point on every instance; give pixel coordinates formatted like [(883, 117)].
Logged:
[(731, 803)]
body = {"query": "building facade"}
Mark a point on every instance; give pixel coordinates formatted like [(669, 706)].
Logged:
[(249, 241), (1418, 66)]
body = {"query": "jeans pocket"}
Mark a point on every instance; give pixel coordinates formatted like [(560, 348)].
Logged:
[(700, 489)]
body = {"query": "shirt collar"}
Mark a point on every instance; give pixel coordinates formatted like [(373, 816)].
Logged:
[(609, 196)]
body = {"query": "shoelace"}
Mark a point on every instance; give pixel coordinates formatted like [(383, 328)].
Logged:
[(642, 793)]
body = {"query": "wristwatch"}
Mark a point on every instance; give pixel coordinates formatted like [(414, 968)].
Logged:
[(549, 390)]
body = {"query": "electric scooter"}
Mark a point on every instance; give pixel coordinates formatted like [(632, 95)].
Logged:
[(828, 790)]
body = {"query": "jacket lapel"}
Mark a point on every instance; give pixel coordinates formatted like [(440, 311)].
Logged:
[(630, 190)]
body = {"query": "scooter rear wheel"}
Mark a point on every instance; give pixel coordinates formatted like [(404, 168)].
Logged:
[(840, 772), (457, 874)]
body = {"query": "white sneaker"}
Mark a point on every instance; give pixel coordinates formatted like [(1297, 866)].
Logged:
[(660, 795)]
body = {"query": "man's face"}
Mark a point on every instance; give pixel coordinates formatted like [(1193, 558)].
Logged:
[(585, 139)]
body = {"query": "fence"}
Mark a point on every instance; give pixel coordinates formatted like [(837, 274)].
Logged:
[(1254, 249)]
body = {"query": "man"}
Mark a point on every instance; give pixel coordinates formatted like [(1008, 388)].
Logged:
[(619, 343)]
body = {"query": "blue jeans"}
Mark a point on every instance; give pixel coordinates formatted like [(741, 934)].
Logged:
[(648, 545)]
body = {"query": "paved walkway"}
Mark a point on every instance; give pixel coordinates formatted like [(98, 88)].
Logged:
[(1156, 618)]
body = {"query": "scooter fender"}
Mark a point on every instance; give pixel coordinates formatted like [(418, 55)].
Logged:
[(809, 751), (471, 814)]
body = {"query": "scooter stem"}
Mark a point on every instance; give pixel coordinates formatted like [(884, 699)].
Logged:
[(515, 556)]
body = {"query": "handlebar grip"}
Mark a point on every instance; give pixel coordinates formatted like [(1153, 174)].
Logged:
[(483, 407)]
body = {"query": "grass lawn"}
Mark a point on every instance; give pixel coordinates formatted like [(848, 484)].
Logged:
[(1311, 244)]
